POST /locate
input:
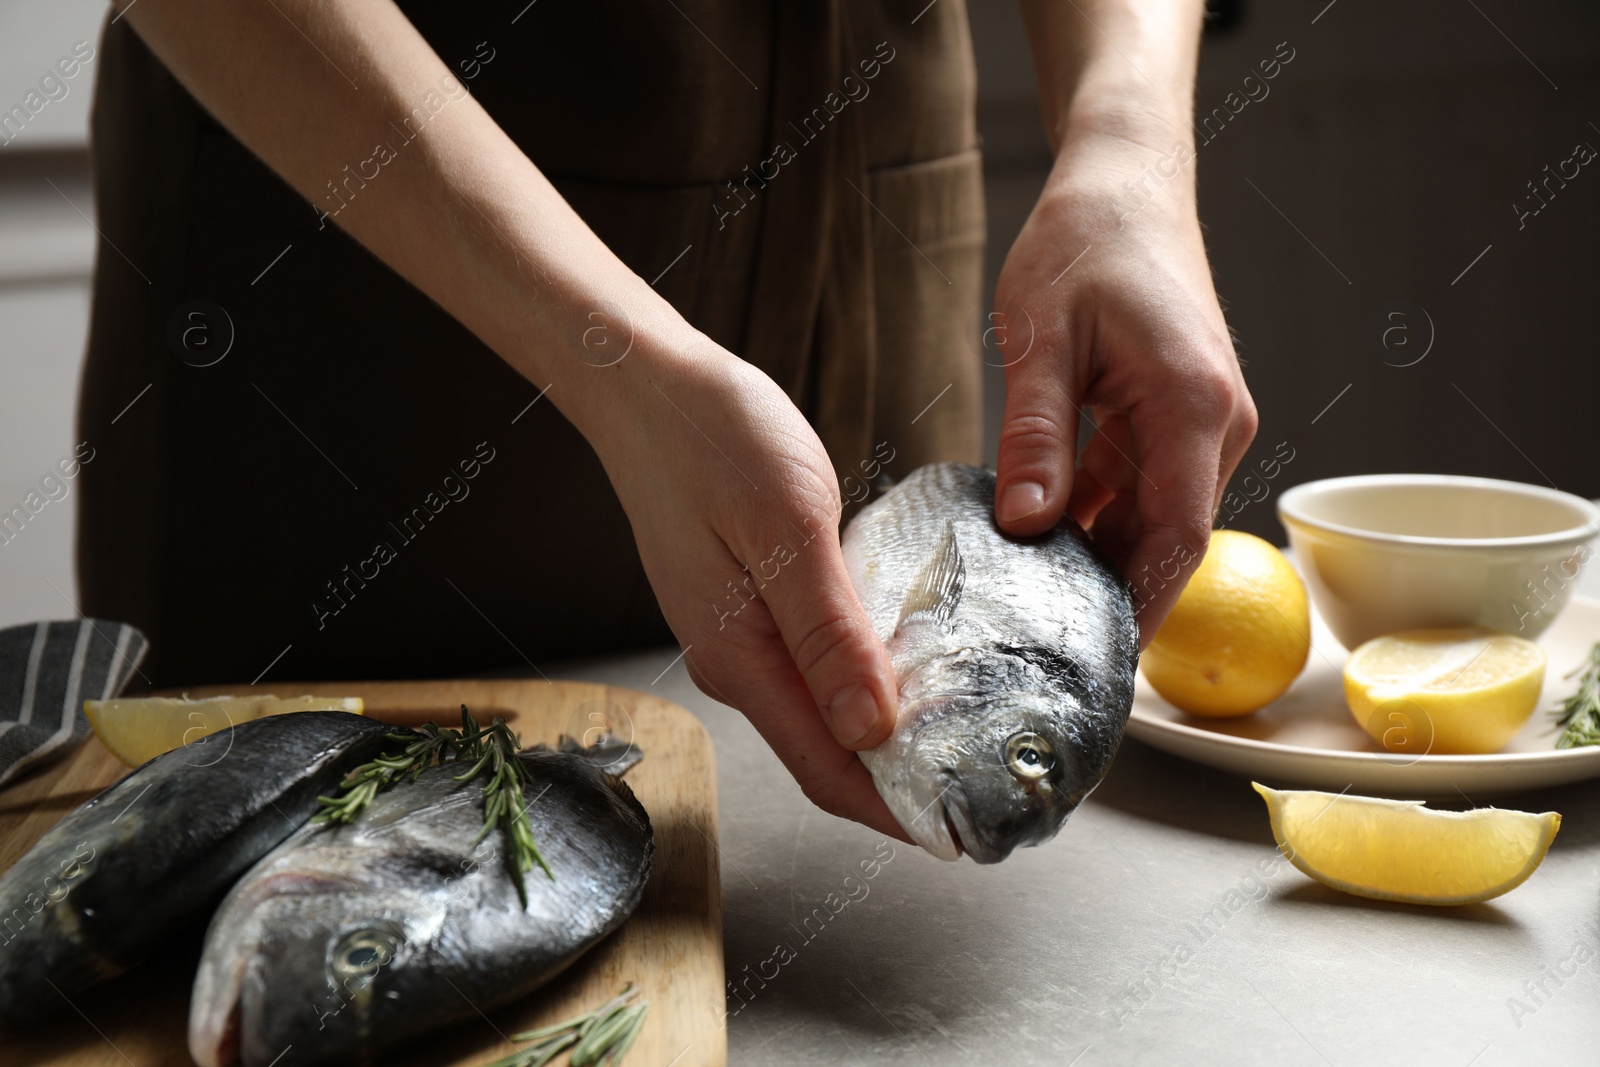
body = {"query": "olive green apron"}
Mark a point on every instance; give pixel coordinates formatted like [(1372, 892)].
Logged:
[(358, 487)]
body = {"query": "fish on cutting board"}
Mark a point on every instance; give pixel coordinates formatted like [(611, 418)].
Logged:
[(349, 939), (1015, 659), (113, 880)]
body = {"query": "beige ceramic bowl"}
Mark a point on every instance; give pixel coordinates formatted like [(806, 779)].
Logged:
[(1388, 552)]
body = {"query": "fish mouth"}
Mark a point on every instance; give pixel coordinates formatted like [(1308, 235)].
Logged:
[(954, 831), (963, 831), (214, 1011)]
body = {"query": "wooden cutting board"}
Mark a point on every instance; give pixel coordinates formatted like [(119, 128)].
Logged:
[(671, 947)]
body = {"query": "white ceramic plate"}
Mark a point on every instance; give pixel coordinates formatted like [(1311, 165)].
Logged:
[(1308, 739)]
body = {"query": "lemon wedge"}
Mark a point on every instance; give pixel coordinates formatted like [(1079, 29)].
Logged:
[(1401, 850), (139, 729), (1460, 690)]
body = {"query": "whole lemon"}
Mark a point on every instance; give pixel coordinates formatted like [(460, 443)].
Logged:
[(1239, 634)]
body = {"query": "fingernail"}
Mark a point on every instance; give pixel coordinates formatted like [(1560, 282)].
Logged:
[(1021, 499), (852, 714)]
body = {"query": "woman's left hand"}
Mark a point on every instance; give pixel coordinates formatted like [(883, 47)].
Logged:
[(1106, 302)]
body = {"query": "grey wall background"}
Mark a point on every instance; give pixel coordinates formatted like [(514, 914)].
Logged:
[(1394, 144), (46, 252)]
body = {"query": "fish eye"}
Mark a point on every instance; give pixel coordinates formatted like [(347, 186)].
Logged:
[(1029, 756), (360, 953)]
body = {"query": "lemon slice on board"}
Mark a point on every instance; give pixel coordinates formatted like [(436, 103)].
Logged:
[(139, 729), (1461, 690), (1402, 850)]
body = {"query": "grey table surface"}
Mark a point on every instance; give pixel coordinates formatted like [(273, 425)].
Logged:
[(1159, 927)]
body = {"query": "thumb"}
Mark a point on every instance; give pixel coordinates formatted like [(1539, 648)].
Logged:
[(832, 643), (1038, 439)]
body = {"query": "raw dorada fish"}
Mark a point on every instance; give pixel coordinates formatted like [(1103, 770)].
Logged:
[(348, 940), (115, 878), (1015, 659)]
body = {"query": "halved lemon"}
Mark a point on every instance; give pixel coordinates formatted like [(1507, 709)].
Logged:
[(1461, 690), (1402, 850), (139, 729)]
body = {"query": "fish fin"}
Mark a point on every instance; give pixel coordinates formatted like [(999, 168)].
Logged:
[(938, 588), (609, 753)]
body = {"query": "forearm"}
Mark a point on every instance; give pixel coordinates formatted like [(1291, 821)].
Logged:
[(351, 106), (1123, 68)]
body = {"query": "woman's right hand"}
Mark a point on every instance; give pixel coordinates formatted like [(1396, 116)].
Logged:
[(735, 508)]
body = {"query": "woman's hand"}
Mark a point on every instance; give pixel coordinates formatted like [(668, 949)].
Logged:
[(735, 508), (1106, 301), (717, 470)]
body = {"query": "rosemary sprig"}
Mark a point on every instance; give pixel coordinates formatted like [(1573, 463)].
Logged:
[(599, 1038), (503, 804), (493, 748), (1580, 712), (418, 749)]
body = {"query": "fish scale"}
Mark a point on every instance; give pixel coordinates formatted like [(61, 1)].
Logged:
[(1015, 660)]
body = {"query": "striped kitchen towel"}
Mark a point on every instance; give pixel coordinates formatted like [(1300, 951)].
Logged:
[(47, 671)]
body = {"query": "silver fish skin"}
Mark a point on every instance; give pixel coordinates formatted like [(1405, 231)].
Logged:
[(115, 878), (348, 940), (1015, 660)]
